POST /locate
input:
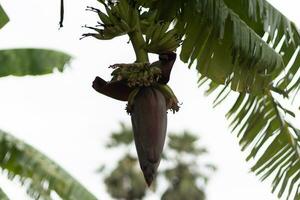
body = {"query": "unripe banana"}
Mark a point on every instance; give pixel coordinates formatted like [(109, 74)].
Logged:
[(103, 17), (164, 27), (124, 10), (133, 18), (171, 99), (149, 33), (156, 34), (97, 36), (124, 26), (167, 37), (112, 16)]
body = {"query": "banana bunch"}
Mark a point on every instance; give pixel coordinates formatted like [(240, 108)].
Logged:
[(120, 18), (147, 19), (136, 74), (160, 38)]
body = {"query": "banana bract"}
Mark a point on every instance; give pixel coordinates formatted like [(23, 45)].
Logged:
[(149, 123), (149, 97)]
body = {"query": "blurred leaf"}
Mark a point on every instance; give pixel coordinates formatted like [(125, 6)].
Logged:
[(181, 174), (3, 196), (124, 136), (21, 62), (3, 17), (126, 181), (185, 143), (183, 184), (185, 191), (37, 172)]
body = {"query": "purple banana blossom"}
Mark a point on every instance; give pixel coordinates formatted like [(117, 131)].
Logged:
[(149, 123), (148, 113)]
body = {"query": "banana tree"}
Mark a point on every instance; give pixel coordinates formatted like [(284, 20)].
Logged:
[(242, 47)]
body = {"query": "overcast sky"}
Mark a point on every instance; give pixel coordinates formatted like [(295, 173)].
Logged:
[(62, 116)]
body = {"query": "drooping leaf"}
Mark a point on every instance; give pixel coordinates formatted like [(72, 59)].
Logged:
[(3, 17), (37, 172), (226, 40), (283, 36), (272, 142), (21, 62)]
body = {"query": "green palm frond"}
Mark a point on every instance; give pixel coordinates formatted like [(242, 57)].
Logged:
[(3, 196), (37, 172), (3, 18), (226, 40), (250, 47), (272, 141), (21, 62), (283, 36)]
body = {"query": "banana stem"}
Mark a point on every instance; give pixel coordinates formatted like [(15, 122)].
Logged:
[(138, 42)]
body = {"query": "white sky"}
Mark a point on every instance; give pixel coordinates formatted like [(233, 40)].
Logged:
[(62, 116)]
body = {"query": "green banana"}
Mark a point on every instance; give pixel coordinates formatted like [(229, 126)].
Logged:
[(156, 34), (124, 10), (147, 20), (167, 37), (164, 27), (149, 33), (171, 99), (103, 17), (115, 10), (124, 26), (97, 36), (167, 43), (159, 32), (112, 16), (133, 18), (131, 97), (112, 24)]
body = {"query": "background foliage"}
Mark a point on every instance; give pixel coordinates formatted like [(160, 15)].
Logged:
[(186, 176)]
